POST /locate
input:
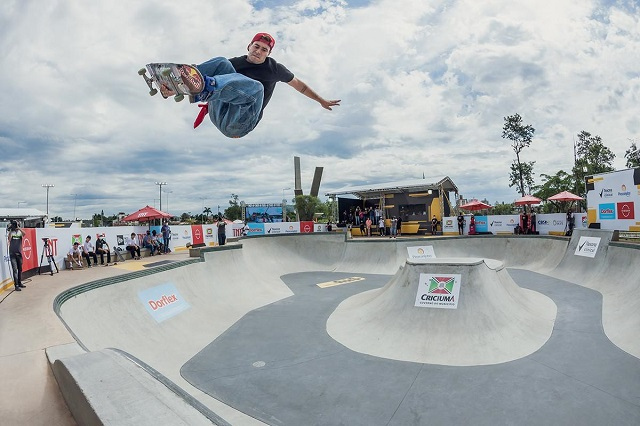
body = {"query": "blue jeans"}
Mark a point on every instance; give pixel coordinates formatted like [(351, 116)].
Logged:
[(236, 100)]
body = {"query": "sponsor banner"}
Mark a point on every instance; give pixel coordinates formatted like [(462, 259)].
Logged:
[(482, 224), (587, 246), (607, 211), (421, 252), (163, 301), (197, 234), (438, 291), (306, 227), (30, 249), (614, 197), (210, 233), (236, 228), (450, 225), (282, 228), (626, 210), (554, 222), (319, 227), (503, 224), (255, 229)]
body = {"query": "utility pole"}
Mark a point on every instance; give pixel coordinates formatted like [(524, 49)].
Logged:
[(160, 185), (47, 185)]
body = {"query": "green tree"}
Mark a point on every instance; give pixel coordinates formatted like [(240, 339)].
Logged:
[(633, 156), (521, 176), (307, 206), (592, 156), (234, 211), (207, 211), (328, 210), (520, 136), (502, 208), (551, 185)]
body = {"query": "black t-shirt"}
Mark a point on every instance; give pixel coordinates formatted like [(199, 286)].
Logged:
[(268, 73), (15, 242)]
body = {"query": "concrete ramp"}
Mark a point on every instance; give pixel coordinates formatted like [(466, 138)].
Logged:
[(613, 269), (586, 255), (495, 320)]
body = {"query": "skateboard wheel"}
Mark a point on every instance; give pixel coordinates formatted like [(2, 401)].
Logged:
[(178, 98), (152, 92), (142, 71)]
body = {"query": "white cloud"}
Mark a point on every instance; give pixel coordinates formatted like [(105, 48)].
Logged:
[(424, 88)]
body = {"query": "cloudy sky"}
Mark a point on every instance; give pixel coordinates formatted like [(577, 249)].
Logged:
[(425, 86)]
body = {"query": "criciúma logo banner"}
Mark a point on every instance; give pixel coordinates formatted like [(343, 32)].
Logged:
[(438, 291)]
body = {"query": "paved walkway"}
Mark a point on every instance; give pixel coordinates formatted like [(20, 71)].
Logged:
[(28, 326)]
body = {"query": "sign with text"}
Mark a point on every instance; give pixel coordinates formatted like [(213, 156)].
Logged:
[(587, 246), (438, 291), (421, 252), (163, 301)]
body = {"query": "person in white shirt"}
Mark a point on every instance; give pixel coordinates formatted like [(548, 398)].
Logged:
[(75, 255), (133, 246), (88, 251)]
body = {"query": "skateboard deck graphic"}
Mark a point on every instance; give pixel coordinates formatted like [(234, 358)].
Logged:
[(177, 80)]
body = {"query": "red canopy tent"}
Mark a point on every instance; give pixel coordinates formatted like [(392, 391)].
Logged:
[(146, 214), (565, 196), (527, 200), (474, 205)]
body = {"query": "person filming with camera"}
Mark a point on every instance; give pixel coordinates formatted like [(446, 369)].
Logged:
[(14, 241)]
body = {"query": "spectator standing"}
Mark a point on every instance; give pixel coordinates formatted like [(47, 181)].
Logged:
[(222, 231), (14, 241), (102, 247), (381, 226), (166, 235), (460, 224), (399, 227), (89, 251), (394, 227), (133, 246), (434, 225)]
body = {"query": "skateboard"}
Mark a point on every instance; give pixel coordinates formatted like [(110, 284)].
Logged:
[(177, 80), (117, 252)]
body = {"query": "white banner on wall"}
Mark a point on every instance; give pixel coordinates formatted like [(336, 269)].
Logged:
[(615, 198)]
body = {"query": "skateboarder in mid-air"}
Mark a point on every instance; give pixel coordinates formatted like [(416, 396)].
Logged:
[(237, 90)]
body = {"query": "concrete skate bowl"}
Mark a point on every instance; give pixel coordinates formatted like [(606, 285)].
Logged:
[(261, 343)]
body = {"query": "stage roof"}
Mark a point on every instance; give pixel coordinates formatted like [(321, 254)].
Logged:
[(21, 213), (377, 190)]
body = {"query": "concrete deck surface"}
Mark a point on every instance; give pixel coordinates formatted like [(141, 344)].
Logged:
[(28, 325), (254, 346)]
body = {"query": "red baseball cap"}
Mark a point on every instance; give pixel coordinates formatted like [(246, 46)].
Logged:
[(265, 38)]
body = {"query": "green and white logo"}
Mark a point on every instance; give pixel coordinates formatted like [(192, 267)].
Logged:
[(438, 291)]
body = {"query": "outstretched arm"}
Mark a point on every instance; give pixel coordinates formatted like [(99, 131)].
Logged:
[(301, 87)]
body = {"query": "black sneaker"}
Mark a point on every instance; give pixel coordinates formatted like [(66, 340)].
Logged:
[(22, 285), (18, 288)]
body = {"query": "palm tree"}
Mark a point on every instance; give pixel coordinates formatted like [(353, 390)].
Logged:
[(206, 212)]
